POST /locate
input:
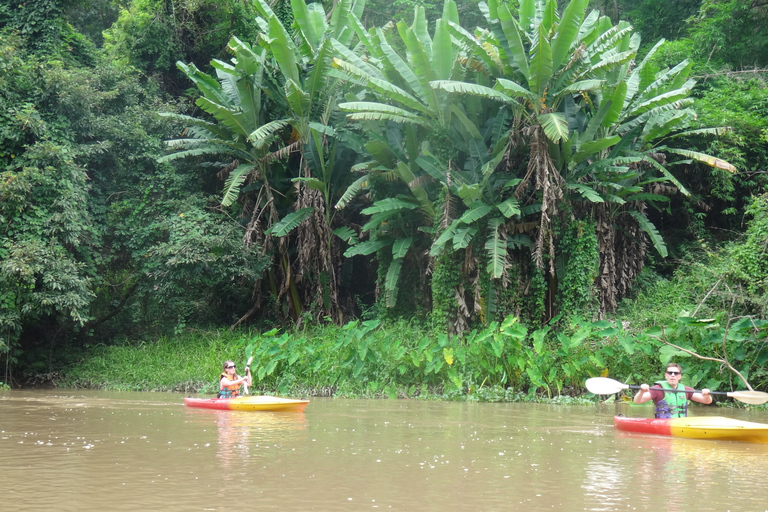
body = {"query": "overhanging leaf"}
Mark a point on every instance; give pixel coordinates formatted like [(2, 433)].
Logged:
[(555, 126), (650, 229), (290, 222)]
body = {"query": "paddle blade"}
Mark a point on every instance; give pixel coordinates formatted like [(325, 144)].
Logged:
[(749, 397), (604, 386)]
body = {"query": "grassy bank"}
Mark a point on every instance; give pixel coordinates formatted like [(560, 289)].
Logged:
[(504, 362)]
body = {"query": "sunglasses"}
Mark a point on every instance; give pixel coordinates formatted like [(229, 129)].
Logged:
[(674, 373), (228, 367)]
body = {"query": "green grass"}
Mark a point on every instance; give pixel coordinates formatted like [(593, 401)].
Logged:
[(186, 363)]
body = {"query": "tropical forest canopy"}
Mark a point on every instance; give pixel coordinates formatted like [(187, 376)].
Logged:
[(177, 163)]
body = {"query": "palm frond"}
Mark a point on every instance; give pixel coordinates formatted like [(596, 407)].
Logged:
[(453, 86), (515, 90), (509, 207), (476, 212), (586, 192), (208, 150), (265, 132), (568, 30)]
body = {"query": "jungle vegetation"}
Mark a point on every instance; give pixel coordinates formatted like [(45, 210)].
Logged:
[(419, 195)]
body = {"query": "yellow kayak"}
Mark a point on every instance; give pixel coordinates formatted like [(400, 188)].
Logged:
[(697, 427), (249, 403)]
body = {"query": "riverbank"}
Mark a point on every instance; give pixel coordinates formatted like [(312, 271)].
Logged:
[(503, 362)]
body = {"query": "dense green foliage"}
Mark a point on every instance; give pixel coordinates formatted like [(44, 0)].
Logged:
[(499, 175)]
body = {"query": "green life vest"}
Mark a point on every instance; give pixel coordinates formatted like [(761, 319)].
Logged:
[(673, 405)]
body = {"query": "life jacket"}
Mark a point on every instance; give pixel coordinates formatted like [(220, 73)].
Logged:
[(231, 391), (673, 405)]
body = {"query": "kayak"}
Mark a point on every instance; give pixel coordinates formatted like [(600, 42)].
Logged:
[(697, 427), (249, 403)]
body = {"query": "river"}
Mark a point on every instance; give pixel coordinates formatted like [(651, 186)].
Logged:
[(90, 450)]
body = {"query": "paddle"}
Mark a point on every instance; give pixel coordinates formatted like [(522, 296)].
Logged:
[(247, 372), (606, 386)]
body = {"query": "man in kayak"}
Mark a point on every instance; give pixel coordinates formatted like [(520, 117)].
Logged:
[(230, 381), (671, 404)]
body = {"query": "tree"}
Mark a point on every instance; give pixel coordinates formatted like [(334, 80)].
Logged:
[(593, 123), (286, 204)]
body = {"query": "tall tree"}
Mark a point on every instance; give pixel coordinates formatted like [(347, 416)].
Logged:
[(286, 199)]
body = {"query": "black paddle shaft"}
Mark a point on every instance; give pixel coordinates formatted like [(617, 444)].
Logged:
[(681, 390)]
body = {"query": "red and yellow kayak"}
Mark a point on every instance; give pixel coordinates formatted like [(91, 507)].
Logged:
[(697, 427), (249, 403)]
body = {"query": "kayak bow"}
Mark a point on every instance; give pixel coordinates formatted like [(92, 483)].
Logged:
[(698, 427), (249, 403)]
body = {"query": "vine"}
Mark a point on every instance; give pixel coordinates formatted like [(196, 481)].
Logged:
[(445, 278), (578, 269)]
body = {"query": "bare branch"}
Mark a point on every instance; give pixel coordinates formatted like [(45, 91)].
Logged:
[(706, 297), (694, 354)]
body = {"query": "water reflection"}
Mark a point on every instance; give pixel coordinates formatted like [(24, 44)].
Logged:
[(244, 435)]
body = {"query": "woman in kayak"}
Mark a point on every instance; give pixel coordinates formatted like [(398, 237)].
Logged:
[(230, 381), (671, 404)]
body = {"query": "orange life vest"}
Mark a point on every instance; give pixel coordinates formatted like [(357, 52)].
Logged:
[(230, 391)]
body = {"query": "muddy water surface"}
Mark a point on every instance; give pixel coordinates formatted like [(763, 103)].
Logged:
[(82, 451)]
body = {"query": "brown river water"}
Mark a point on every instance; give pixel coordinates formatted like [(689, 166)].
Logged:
[(89, 450)]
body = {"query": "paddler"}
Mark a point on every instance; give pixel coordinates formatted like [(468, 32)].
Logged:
[(671, 404), (230, 381)]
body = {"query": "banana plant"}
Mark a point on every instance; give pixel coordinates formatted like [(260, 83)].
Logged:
[(300, 60), (235, 100), (274, 100), (405, 118), (592, 119)]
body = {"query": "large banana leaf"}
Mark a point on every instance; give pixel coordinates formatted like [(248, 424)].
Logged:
[(235, 180), (290, 222), (541, 63), (568, 30), (496, 249), (555, 126), (390, 281), (650, 229), (368, 247), (706, 159), (389, 204), (283, 50)]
